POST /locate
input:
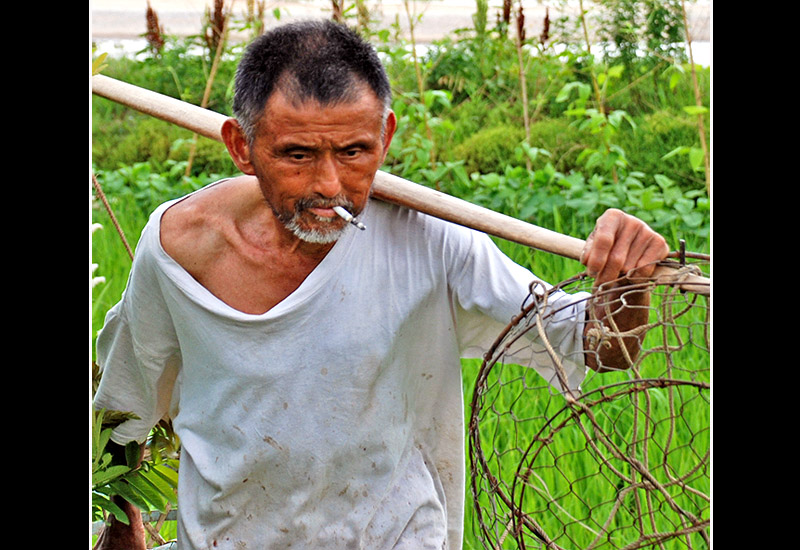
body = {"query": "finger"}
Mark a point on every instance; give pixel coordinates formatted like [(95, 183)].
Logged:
[(619, 256), (620, 244), (647, 249), (597, 246), (597, 253)]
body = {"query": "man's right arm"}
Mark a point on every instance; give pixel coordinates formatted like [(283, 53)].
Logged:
[(620, 245)]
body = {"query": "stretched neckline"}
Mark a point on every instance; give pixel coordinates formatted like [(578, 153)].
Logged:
[(200, 294)]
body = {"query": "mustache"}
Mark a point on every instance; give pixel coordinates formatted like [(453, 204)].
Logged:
[(288, 216), (306, 203)]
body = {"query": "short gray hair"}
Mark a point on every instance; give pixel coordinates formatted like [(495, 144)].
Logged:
[(321, 60)]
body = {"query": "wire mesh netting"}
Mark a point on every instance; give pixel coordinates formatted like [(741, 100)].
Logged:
[(622, 462)]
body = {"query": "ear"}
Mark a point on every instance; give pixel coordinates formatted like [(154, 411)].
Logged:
[(237, 144), (388, 132)]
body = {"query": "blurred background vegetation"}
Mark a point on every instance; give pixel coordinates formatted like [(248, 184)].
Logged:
[(525, 125)]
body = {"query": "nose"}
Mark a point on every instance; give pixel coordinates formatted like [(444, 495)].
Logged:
[(327, 180)]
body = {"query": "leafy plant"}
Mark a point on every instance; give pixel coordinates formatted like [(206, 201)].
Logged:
[(150, 485), (412, 150), (489, 150)]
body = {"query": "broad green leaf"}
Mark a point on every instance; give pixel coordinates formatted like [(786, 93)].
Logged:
[(106, 504), (100, 439), (674, 78), (651, 200), (682, 150), (148, 491), (168, 473), (99, 63), (123, 489), (695, 109), (102, 477), (566, 90), (575, 112), (674, 196), (616, 71), (529, 208), (696, 157), (161, 485), (663, 181), (692, 219)]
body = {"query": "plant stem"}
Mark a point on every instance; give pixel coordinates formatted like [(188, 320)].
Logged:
[(698, 99), (598, 95), (337, 6), (223, 37), (102, 197), (595, 86), (420, 82), (522, 80)]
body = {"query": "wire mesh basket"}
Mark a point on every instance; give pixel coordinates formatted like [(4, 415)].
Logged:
[(621, 464)]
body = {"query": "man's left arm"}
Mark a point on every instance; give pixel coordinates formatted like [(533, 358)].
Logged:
[(620, 249)]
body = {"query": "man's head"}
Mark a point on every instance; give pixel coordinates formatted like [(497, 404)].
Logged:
[(318, 60), (313, 124)]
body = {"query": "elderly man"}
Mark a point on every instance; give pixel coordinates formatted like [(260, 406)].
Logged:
[(312, 370)]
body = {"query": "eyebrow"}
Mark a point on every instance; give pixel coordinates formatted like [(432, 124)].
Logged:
[(294, 147), (299, 147)]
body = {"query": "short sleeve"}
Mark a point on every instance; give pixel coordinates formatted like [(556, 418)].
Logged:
[(490, 290), (137, 349)]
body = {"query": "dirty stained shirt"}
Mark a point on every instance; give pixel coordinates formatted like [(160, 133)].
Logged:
[(334, 420)]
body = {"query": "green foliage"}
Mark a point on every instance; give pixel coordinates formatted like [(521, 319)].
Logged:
[(109, 254), (182, 71), (661, 144), (564, 141), (122, 136), (637, 31), (470, 66), (412, 152), (147, 186), (150, 485), (132, 137), (489, 150), (547, 197)]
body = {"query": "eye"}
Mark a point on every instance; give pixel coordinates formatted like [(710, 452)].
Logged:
[(297, 155), (352, 152)]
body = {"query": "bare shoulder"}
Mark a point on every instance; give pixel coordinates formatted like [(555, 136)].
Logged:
[(194, 230)]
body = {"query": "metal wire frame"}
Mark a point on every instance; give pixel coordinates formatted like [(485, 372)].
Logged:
[(622, 464)]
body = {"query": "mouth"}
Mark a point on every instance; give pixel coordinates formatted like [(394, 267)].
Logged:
[(323, 210)]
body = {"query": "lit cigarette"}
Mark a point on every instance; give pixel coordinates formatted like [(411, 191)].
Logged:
[(348, 217)]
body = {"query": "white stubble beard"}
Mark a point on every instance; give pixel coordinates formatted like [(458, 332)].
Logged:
[(315, 236)]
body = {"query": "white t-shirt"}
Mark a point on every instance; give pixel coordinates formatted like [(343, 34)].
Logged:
[(335, 420)]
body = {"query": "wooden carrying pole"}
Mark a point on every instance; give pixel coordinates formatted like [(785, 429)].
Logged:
[(386, 187)]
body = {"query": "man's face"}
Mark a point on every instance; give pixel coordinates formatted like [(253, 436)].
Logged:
[(309, 158)]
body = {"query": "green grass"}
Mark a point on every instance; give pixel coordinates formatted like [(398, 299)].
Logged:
[(666, 429), (110, 255)]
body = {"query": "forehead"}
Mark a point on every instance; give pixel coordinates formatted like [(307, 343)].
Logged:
[(285, 116)]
